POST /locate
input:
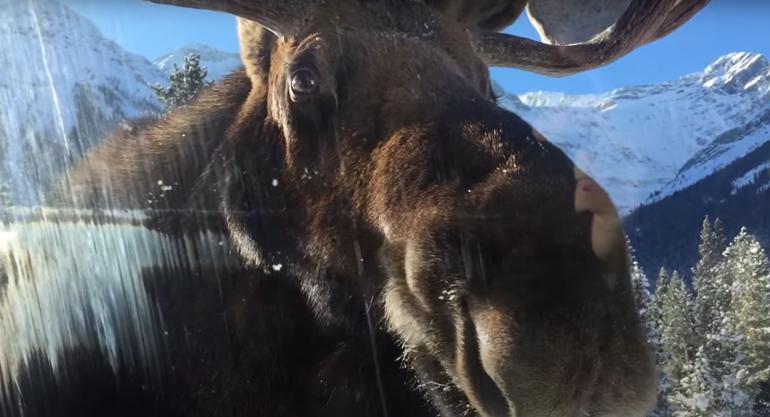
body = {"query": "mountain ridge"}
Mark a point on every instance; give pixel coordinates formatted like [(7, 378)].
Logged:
[(62, 88), (218, 63), (666, 231), (637, 140)]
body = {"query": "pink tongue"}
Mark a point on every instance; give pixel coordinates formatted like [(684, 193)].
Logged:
[(605, 232)]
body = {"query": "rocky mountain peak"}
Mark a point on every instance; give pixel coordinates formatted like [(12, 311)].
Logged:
[(218, 63), (638, 141), (63, 86), (740, 71)]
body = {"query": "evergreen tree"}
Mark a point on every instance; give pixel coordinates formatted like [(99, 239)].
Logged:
[(707, 308), (677, 335), (712, 282), (184, 85), (666, 386), (750, 318), (722, 343), (734, 400), (699, 390), (643, 297), (713, 349), (719, 234), (648, 312), (656, 313), (661, 286)]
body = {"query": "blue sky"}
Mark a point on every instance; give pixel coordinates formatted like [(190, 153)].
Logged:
[(724, 26)]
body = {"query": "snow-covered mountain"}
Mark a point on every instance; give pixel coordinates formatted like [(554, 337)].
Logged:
[(664, 232), (646, 142), (218, 63), (62, 87)]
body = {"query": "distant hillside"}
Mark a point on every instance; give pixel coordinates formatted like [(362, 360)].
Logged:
[(639, 141), (665, 232), (63, 86)]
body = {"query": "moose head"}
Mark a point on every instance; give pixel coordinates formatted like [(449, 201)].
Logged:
[(366, 155)]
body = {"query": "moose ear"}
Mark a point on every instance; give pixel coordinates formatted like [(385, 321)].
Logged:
[(256, 44)]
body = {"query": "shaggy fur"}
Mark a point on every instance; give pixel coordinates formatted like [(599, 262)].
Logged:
[(492, 15), (409, 248)]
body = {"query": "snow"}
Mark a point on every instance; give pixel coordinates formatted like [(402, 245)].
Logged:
[(62, 85), (723, 155), (6, 240), (76, 282), (637, 140), (749, 177), (71, 280), (739, 71)]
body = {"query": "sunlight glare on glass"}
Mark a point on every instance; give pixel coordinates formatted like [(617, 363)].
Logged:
[(6, 239)]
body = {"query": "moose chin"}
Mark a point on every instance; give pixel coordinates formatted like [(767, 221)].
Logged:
[(394, 242)]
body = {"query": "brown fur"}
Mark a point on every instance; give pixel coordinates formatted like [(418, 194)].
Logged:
[(492, 15), (401, 184)]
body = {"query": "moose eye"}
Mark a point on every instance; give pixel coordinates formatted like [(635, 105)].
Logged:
[(304, 82)]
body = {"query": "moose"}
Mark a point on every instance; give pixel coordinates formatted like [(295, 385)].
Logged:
[(404, 246)]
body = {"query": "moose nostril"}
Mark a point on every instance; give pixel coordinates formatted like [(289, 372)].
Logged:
[(606, 232), (590, 196)]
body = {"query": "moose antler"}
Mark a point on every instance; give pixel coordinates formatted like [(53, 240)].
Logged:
[(644, 21), (575, 36)]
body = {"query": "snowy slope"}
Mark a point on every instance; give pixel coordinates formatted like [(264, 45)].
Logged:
[(721, 152), (665, 232), (218, 63), (62, 86), (752, 177), (636, 140)]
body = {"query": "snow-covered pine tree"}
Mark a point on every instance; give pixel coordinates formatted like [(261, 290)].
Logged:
[(661, 285), (184, 84), (712, 282), (644, 299), (719, 232), (666, 386), (735, 401), (659, 297), (648, 311), (749, 320), (677, 335), (656, 312), (706, 307), (698, 390)]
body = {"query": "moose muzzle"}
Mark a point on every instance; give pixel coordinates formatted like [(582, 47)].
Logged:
[(515, 283)]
